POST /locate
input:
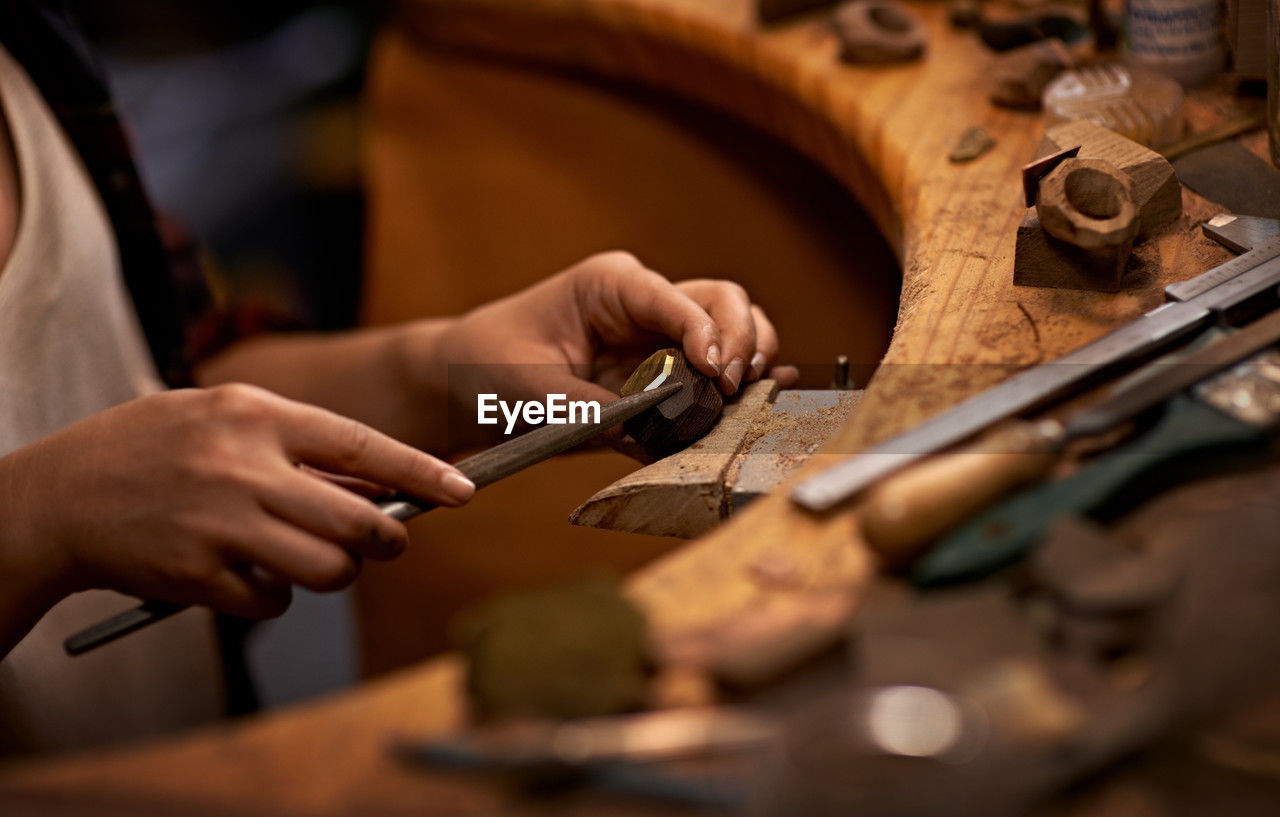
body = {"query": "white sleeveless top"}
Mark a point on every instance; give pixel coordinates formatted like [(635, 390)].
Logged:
[(71, 346)]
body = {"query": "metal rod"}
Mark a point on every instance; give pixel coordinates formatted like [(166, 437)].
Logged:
[(483, 469)]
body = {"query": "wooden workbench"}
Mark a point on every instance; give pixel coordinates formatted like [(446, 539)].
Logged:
[(884, 133)]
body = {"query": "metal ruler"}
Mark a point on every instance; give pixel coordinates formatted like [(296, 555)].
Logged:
[(1213, 297)]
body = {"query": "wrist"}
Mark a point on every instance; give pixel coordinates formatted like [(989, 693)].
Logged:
[(420, 359), (35, 571)]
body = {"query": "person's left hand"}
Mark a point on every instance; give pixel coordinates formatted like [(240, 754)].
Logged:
[(582, 331)]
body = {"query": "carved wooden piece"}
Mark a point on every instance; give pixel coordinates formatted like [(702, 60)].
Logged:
[(1019, 76), (679, 420), (684, 494), (1089, 203), (877, 31), (1037, 169), (1076, 251), (1156, 190)]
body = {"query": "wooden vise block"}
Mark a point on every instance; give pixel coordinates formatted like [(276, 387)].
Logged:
[(1091, 209), (763, 436)]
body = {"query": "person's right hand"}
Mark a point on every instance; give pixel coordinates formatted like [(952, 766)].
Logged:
[(212, 497)]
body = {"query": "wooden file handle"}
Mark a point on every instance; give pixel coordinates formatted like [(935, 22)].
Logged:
[(483, 469), (908, 510)]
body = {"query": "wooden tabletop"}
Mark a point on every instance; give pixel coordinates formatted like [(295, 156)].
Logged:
[(882, 132)]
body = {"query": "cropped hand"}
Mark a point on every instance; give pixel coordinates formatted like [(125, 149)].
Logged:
[(582, 331), (209, 496)]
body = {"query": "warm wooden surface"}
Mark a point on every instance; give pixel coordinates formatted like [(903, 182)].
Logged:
[(685, 494), (882, 132), (483, 176)]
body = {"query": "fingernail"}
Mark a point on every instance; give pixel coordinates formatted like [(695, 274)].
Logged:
[(757, 365), (713, 357), (458, 487), (733, 373), (390, 543)]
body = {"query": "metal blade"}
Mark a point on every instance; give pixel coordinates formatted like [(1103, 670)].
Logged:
[(1175, 376), (1260, 253), (1241, 233), (1227, 287)]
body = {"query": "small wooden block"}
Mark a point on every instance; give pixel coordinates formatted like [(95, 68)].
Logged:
[(1034, 171), (684, 416), (877, 32), (972, 143), (1156, 190), (1019, 76), (1040, 260), (682, 495)]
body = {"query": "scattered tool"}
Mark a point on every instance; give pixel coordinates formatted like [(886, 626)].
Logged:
[(878, 31), (1238, 234), (1019, 76), (1233, 176), (1054, 21), (910, 509), (483, 469), (643, 737), (695, 756), (998, 696), (1229, 426), (1213, 135), (972, 143), (1229, 293)]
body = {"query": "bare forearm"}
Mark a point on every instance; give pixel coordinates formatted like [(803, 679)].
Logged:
[(388, 378), (32, 577)]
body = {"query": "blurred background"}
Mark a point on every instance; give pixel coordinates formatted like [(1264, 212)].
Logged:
[(341, 171)]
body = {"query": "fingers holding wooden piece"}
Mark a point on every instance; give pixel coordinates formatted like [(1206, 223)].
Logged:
[(680, 419)]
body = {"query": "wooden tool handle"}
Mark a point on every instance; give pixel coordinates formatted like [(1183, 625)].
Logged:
[(483, 469), (1190, 440), (912, 508)]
